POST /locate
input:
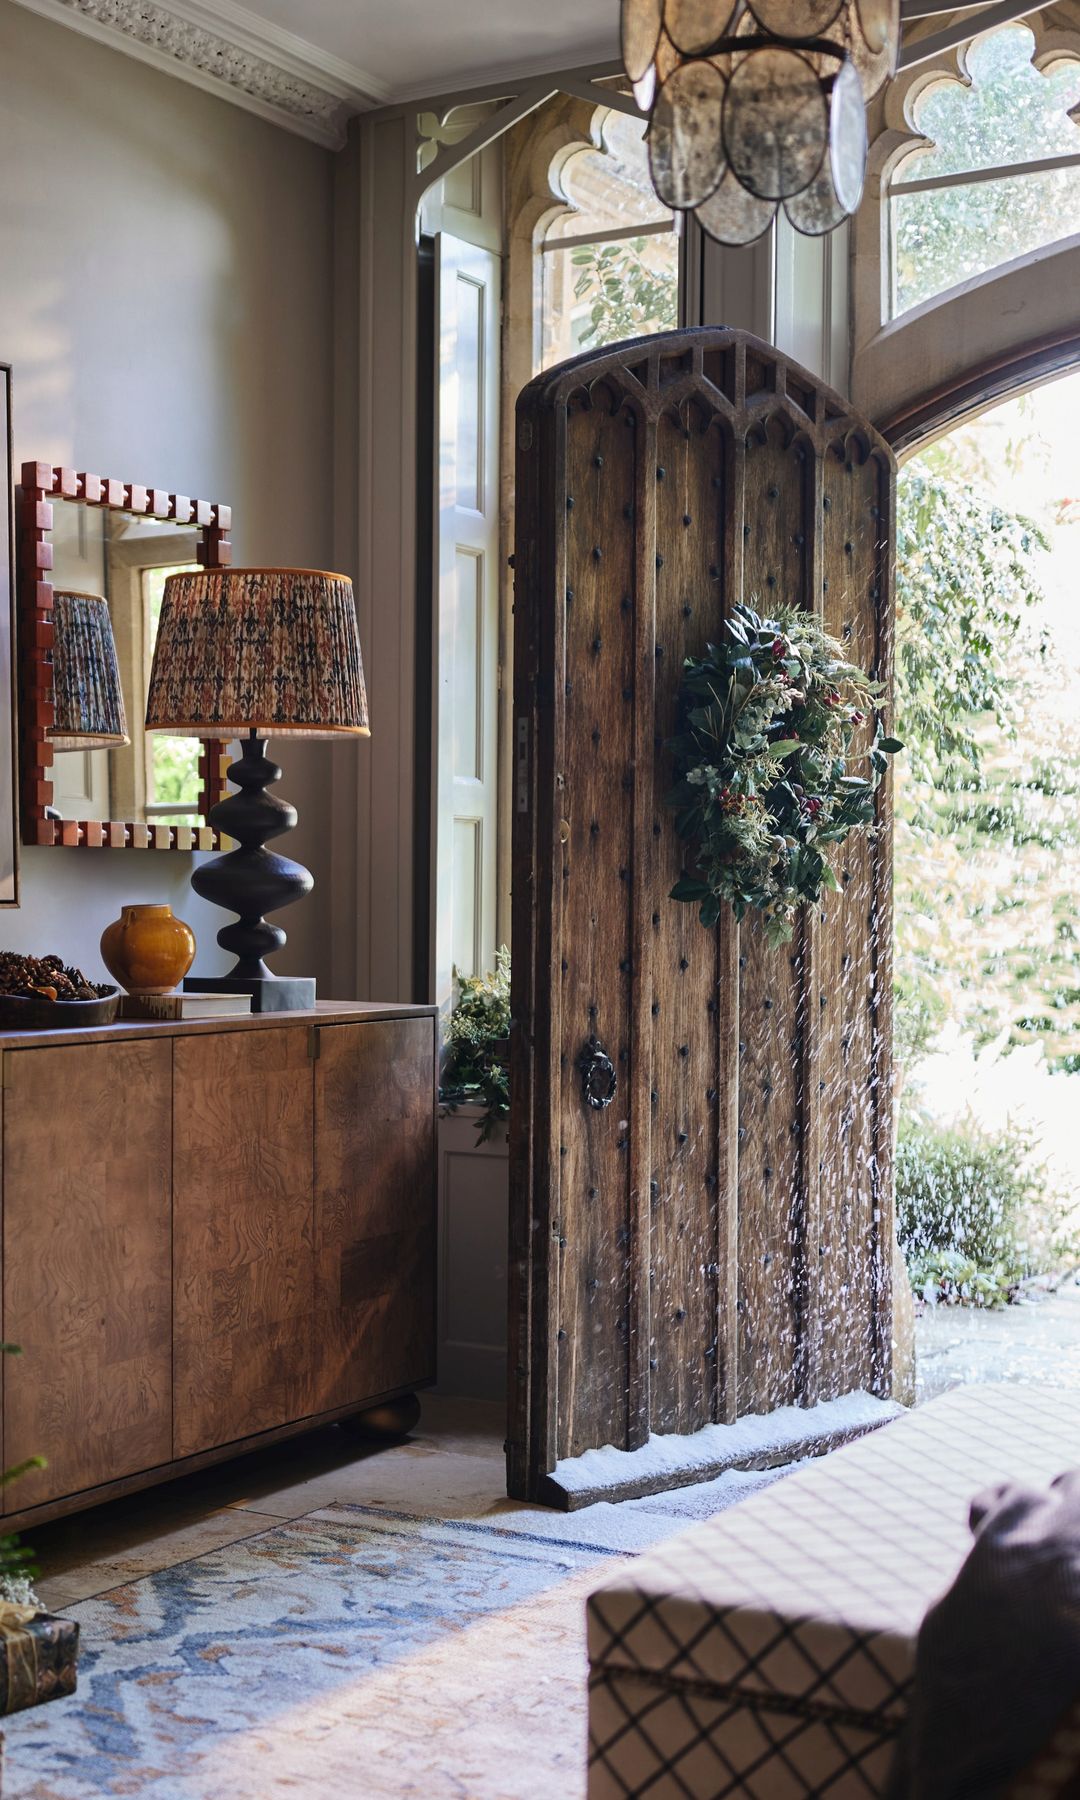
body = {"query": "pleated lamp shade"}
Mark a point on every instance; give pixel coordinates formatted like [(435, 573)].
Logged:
[(266, 651), (88, 700)]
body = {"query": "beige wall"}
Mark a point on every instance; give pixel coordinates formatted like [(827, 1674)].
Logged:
[(165, 301)]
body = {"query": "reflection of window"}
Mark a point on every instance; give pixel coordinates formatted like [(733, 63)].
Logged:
[(1002, 177), (172, 763), (610, 267)]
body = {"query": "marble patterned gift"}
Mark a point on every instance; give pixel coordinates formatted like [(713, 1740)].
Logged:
[(768, 1653), (37, 1657)]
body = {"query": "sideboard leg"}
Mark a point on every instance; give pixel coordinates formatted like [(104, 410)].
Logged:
[(385, 1424)]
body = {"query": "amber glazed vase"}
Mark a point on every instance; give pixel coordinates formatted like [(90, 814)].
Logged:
[(147, 950)]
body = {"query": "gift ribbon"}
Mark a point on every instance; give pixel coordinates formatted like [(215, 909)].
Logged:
[(22, 1655)]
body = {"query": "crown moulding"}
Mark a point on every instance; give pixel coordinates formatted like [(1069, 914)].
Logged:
[(228, 51)]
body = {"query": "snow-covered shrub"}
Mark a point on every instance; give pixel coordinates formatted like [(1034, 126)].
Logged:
[(965, 1201)]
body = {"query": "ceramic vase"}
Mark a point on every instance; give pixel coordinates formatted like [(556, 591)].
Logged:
[(147, 950)]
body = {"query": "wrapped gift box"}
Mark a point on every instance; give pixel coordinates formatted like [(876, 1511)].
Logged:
[(37, 1657), (769, 1652)]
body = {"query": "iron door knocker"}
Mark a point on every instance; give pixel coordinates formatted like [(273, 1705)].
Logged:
[(598, 1078)]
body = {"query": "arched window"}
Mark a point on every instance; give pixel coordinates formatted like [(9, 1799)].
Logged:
[(1000, 176), (609, 264)]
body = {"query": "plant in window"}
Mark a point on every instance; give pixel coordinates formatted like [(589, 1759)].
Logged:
[(600, 284), (628, 296), (764, 763), (476, 1060)]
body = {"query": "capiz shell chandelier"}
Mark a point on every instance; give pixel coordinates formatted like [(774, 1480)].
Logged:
[(759, 103)]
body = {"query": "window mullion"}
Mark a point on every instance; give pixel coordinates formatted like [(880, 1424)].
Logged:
[(1000, 172), (616, 235)]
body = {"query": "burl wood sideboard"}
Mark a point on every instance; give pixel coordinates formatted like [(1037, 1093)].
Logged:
[(215, 1234)]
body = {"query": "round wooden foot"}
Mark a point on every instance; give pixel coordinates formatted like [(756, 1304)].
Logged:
[(385, 1424)]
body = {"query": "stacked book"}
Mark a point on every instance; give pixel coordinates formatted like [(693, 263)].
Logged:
[(183, 1006)]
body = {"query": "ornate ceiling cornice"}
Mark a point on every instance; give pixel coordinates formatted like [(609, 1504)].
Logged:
[(228, 51)]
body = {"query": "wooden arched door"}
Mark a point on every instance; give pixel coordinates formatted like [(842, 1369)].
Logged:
[(717, 1241)]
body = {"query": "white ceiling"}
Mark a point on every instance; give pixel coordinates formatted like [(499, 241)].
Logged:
[(402, 49)]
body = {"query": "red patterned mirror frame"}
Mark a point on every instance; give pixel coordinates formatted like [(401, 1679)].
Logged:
[(41, 485)]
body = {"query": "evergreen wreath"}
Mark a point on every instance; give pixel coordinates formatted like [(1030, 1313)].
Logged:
[(764, 785)]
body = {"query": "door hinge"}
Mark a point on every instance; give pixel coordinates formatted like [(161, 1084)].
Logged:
[(521, 775)]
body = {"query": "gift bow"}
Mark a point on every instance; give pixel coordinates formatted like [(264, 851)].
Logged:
[(12, 1614)]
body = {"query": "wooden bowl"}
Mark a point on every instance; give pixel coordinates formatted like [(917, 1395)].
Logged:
[(33, 1012)]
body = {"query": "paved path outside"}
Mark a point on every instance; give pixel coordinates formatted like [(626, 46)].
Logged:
[(1036, 1342)]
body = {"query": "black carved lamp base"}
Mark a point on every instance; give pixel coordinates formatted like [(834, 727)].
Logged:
[(251, 881)]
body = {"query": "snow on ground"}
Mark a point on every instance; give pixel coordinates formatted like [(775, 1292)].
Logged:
[(1036, 1342)]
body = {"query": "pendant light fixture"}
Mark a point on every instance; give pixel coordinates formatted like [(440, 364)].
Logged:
[(759, 103)]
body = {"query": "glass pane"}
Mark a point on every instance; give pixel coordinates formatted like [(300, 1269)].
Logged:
[(611, 186), (468, 665), (470, 392), (1011, 112), (466, 884), (943, 238), (598, 294)]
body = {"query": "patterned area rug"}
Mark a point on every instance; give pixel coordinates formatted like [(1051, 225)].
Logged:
[(354, 1652)]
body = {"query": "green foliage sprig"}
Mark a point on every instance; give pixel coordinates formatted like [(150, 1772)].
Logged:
[(764, 788), (476, 1062), (17, 1567), (627, 295), (966, 576)]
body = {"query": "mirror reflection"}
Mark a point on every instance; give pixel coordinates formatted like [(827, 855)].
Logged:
[(125, 559)]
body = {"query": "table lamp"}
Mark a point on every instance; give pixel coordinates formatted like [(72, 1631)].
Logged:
[(88, 701), (253, 654)]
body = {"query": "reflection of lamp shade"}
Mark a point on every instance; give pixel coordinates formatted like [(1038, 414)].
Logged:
[(89, 703), (268, 651)]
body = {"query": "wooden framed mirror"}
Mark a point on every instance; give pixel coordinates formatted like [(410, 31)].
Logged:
[(9, 833), (84, 535)]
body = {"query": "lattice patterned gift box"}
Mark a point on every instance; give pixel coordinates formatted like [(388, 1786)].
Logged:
[(768, 1653), (37, 1657)]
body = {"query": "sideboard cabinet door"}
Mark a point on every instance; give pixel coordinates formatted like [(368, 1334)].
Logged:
[(87, 1239), (374, 1209), (242, 1247)]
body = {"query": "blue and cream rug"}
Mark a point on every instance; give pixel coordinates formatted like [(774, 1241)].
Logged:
[(353, 1652)]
